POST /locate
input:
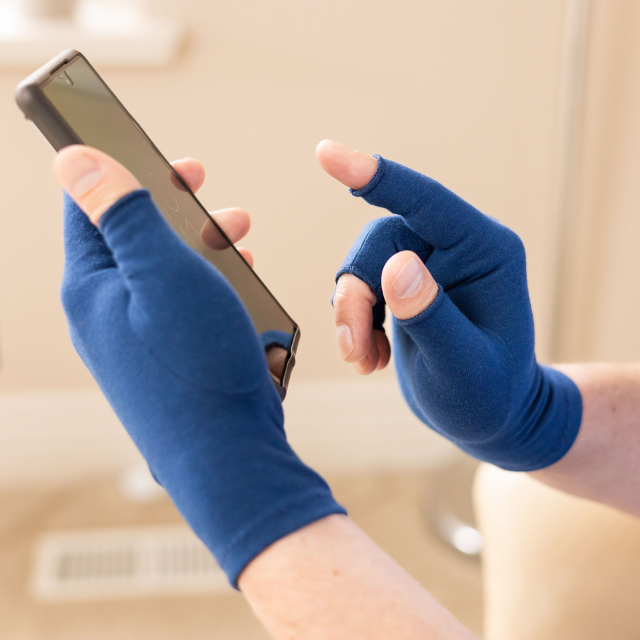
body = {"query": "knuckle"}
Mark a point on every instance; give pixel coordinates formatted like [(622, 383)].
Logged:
[(70, 296), (352, 309), (514, 248), (352, 286), (340, 300), (386, 231), (505, 245), (394, 224), (514, 242)]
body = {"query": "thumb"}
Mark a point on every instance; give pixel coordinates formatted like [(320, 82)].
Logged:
[(407, 285), (93, 179), (139, 239)]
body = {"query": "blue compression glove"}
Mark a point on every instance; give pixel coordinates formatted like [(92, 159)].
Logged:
[(175, 353), (466, 364)]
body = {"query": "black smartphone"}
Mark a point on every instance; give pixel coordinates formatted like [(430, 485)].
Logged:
[(70, 103)]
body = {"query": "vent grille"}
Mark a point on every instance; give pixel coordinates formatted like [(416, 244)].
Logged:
[(124, 563)]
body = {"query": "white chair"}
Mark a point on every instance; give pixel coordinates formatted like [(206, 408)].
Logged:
[(555, 567)]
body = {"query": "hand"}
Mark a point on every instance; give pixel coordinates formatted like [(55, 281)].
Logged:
[(97, 198), (175, 353), (455, 281)]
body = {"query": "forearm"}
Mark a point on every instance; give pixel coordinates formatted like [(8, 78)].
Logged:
[(603, 464), (329, 580)]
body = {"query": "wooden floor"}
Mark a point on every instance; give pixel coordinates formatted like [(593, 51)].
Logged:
[(391, 508)]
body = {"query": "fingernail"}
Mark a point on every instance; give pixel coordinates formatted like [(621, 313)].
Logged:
[(408, 279), (345, 341), (80, 173)]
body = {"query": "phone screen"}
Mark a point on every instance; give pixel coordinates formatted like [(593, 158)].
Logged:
[(99, 120)]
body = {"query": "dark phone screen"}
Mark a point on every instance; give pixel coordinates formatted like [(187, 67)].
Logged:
[(98, 119)]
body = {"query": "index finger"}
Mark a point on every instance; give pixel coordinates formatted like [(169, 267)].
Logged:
[(436, 214)]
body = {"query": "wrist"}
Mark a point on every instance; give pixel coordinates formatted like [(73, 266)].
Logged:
[(541, 430), (242, 493)]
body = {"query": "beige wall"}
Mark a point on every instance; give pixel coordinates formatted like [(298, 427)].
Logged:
[(462, 90), (601, 300)]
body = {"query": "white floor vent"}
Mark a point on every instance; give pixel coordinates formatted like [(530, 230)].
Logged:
[(124, 563)]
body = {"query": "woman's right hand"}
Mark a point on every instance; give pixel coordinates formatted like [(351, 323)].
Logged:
[(456, 283)]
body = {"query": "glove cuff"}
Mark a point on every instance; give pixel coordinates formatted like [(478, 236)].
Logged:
[(371, 185), (542, 433), (275, 524)]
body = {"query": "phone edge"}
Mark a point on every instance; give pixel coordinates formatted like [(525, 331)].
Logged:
[(30, 98)]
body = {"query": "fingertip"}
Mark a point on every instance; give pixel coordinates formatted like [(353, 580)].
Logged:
[(192, 171), (352, 168), (326, 148), (234, 222), (407, 285), (368, 364), (384, 349), (353, 302), (246, 254), (353, 345), (94, 180), (344, 337), (64, 157), (241, 222), (326, 152), (66, 152)]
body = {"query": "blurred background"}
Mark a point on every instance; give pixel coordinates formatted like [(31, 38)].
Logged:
[(526, 109)]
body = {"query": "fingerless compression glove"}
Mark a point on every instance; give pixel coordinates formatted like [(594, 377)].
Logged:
[(466, 365), (175, 353)]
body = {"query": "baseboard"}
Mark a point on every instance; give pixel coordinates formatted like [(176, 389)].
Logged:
[(336, 426)]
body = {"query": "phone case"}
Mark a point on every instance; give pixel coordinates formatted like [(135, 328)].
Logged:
[(39, 110)]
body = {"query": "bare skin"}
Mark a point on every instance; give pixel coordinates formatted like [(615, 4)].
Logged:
[(353, 302), (108, 181), (603, 463), (329, 580)]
